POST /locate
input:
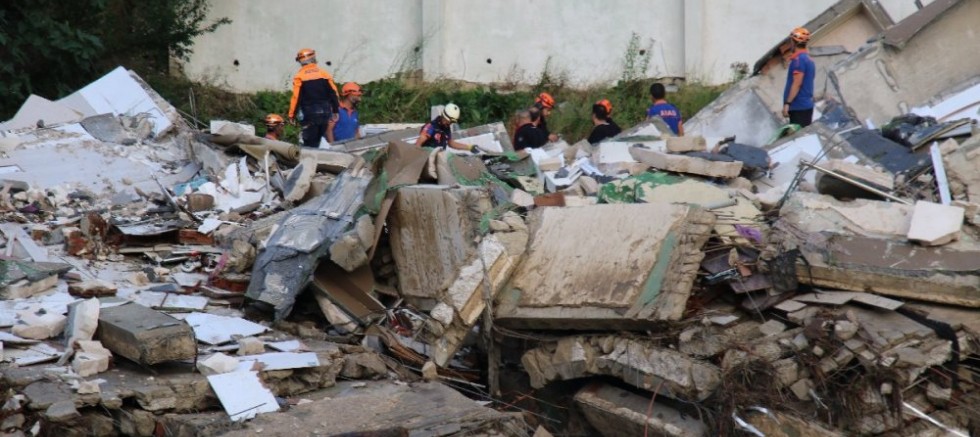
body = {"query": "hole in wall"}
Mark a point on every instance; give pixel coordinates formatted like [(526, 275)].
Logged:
[(236, 62), (643, 52), (328, 63), (489, 61)]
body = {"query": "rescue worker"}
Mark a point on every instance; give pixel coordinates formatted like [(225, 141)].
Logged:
[(315, 95), (543, 104), (663, 109), (438, 133), (347, 125), (527, 134), (798, 94), (605, 127), (274, 126)]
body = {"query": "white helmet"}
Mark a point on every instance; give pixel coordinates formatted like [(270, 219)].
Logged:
[(451, 112)]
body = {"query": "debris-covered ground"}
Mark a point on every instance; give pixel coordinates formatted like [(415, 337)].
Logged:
[(746, 279)]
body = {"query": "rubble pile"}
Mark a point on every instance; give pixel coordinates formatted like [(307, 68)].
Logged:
[(158, 280)]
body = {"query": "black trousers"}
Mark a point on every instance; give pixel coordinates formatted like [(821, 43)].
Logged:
[(802, 117), (314, 126)]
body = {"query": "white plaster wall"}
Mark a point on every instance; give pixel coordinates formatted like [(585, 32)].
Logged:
[(585, 39), (742, 31), (363, 40)]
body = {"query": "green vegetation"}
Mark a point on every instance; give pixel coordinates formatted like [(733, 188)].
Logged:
[(399, 99), (53, 47)]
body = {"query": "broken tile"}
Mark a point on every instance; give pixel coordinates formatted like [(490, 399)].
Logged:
[(242, 395), (934, 224), (214, 329)]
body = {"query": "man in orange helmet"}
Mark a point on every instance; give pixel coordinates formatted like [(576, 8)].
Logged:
[(315, 94), (347, 125), (605, 127), (543, 104), (798, 94), (274, 125)]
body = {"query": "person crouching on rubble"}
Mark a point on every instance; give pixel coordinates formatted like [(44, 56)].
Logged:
[(347, 125), (528, 135), (315, 94), (543, 104), (798, 93), (438, 133), (663, 109), (605, 127), (274, 126)]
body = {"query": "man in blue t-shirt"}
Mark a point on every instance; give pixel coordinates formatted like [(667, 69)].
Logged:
[(347, 125), (798, 94), (660, 108)]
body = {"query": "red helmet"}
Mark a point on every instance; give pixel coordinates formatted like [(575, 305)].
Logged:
[(800, 35), (351, 88), (605, 104), (273, 120), (305, 55), (545, 100)]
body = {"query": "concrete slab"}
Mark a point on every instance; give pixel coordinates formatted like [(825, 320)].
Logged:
[(935, 224), (420, 409), (613, 411), (118, 93), (145, 335), (432, 232), (637, 362), (606, 266), (686, 164), (37, 108)]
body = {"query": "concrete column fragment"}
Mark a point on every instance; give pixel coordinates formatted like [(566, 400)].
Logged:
[(614, 412), (144, 335)]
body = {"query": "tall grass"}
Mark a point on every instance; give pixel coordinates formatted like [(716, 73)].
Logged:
[(403, 98)]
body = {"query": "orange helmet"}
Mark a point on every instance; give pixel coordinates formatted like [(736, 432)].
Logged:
[(545, 100), (800, 35), (273, 120), (351, 88), (605, 104), (305, 55)]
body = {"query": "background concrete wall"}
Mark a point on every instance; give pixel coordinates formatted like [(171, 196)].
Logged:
[(497, 41)]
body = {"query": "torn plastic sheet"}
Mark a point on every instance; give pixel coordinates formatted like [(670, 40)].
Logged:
[(283, 268)]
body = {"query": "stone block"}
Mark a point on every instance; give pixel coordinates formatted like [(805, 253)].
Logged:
[(687, 164), (39, 327), (250, 346), (689, 143), (934, 224), (613, 411), (145, 335), (217, 364)]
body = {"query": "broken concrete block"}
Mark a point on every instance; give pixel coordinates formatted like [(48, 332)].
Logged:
[(430, 371), (876, 177), (771, 328), (616, 412), (521, 198), (91, 358), (298, 182), (250, 346), (39, 327), (92, 288), (802, 389), (777, 424), (217, 364), (145, 335), (432, 236), (442, 313), (687, 164), (62, 412), (89, 387), (934, 224), (630, 274), (636, 362), (348, 252), (845, 330), (83, 320), (689, 143)]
